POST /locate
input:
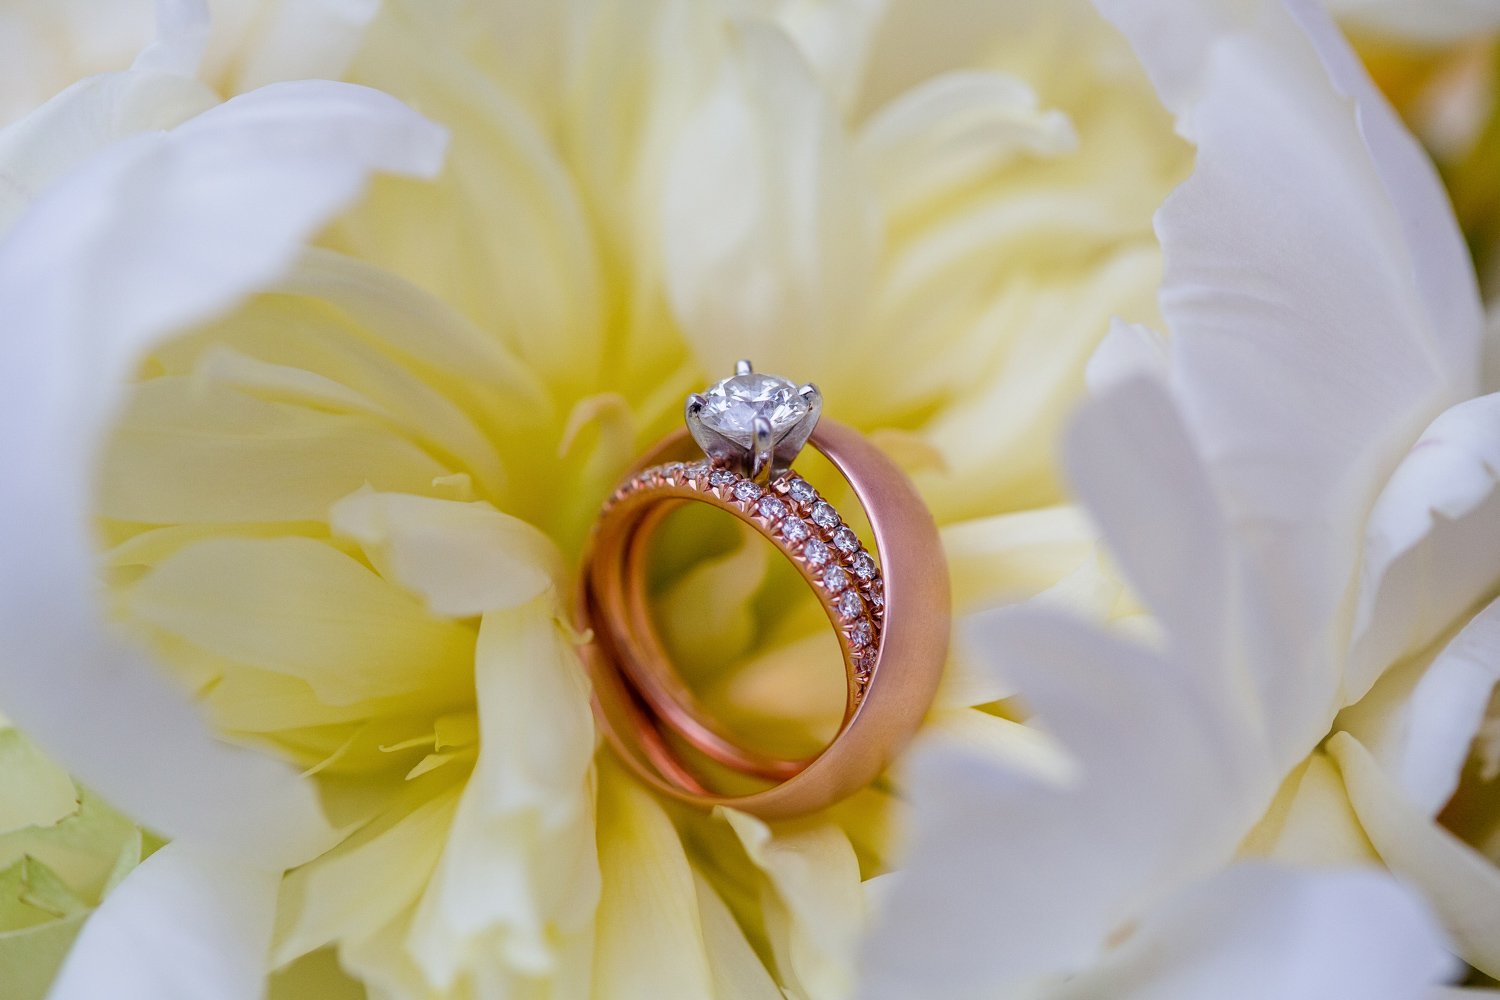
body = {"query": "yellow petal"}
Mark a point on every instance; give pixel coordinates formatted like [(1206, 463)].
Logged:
[(650, 942), (299, 607), (348, 894), (812, 903), (462, 558), (519, 870), (180, 455), (1310, 821)]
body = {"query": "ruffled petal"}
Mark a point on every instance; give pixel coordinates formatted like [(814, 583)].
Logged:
[(1461, 884), (184, 925), (1432, 543), (1259, 931), (158, 232)]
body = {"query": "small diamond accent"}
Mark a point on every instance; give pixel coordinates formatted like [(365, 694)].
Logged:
[(863, 566), (722, 477), (849, 604), (835, 579), (816, 551), (747, 491), (802, 492), (877, 593), (772, 509), (796, 529), (863, 634), (845, 540), (696, 471), (824, 515)]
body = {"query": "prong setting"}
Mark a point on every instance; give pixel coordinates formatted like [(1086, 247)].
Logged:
[(752, 422)]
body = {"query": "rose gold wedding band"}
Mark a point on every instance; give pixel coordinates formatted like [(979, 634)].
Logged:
[(890, 607)]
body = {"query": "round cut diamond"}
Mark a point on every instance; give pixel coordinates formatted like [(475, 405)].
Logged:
[(746, 490), (845, 540), (864, 566), (816, 551), (835, 579), (802, 492), (849, 604), (863, 634), (731, 406), (722, 477), (796, 529), (772, 508), (824, 515)]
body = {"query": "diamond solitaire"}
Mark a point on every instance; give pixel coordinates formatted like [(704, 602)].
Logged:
[(753, 422)]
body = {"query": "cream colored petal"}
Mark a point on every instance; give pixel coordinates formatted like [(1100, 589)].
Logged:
[(502, 235), (348, 894), (812, 901), (768, 231), (953, 130), (999, 435), (1310, 822), (834, 37), (82, 121), (650, 937), (520, 869), (462, 558), (707, 615), (1461, 884), (300, 607), (739, 973), (185, 224), (181, 455), (1013, 557)]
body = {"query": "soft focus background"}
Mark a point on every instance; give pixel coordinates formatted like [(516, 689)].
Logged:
[(341, 513)]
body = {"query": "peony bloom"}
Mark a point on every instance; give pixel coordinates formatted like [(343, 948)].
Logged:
[(314, 387), (1315, 682)]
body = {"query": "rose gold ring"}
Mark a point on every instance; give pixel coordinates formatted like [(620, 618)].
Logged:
[(888, 602)]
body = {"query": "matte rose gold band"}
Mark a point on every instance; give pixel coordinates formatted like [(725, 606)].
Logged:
[(894, 653)]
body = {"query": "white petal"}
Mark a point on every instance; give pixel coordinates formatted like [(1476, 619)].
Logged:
[(1445, 712), (1163, 789), (182, 926), (159, 232), (182, 28), (1257, 931), (1462, 884), (1432, 543), (1322, 306), (767, 232)]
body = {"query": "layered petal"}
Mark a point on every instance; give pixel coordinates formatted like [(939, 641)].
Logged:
[(157, 232)]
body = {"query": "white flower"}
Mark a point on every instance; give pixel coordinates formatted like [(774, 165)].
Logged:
[(1264, 482), (333, 441)]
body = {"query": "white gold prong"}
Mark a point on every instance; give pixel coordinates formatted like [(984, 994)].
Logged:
[(761, 450), (695, 403), (743, 367)]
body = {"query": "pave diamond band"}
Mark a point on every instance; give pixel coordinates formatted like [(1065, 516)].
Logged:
[(885, 593), (854, 603)]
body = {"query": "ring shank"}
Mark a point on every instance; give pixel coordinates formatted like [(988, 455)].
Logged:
[(641, 702)]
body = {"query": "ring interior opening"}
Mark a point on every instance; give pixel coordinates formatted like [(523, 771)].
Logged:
[(744, 632)]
